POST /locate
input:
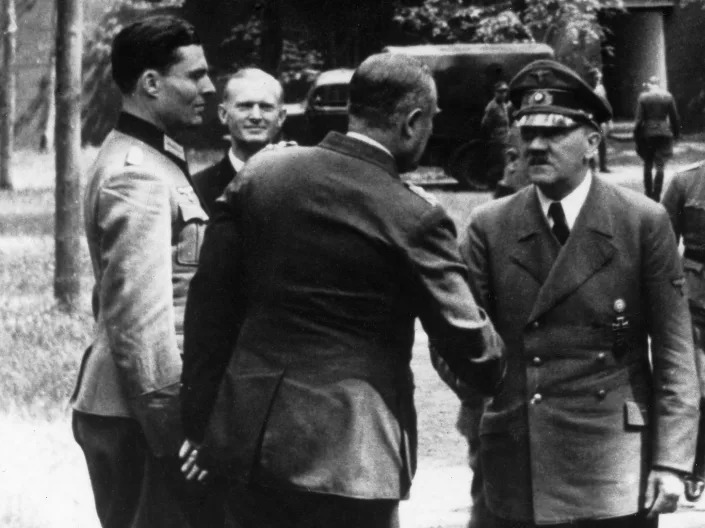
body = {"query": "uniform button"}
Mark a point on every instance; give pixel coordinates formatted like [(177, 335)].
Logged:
[(601, 394), (536, 398), (601, 357), (535, 324), (537, 361)]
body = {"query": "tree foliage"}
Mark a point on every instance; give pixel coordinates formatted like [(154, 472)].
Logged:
[(570, 26)]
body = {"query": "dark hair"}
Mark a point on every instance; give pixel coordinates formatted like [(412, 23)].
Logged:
[(150, 43), (386, 85)]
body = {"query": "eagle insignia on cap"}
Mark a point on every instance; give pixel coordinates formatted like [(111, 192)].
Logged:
[(541, 75), (541, 97)]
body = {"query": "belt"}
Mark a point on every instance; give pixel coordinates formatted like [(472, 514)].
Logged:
[(695, 254)]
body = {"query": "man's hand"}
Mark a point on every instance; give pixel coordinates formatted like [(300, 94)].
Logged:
[(188, 455), (664, 489)]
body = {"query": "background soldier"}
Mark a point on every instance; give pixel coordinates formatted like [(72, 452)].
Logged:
[(656, 126), (331, 259), (144, 224), (253, 112), (495, 125), (595, 78), (577, 274), (685, 202)]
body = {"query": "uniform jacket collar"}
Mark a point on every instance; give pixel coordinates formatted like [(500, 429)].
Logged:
[(361, 150), (558, 271), (153, 136)]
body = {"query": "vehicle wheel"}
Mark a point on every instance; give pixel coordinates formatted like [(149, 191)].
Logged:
[(468, 165)]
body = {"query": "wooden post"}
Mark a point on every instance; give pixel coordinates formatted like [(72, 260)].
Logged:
[(68, 152), (9, 93)]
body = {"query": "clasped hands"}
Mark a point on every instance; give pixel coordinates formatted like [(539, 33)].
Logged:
[(188, 455)]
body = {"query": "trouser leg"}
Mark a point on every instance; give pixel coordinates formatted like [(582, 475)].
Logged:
[(658, 179), (131, 487), (255, 506), (648, 166), (602, 154)]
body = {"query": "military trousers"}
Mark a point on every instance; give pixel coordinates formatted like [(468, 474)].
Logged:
[(638, 520), (134, 489), (255, 506)]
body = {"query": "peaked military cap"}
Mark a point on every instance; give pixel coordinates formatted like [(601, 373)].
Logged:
[(548, 93)]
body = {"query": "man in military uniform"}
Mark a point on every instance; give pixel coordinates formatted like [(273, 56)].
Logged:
[(252, 110), (685, 202), (495, 125), (144, 225), (308, 326), (656, 126), (577, 274)]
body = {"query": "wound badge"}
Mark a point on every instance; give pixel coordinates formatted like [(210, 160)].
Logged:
[(678, 284), (620, 306)]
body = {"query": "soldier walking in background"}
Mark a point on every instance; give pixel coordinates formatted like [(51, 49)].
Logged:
[(144, 225), (578, 275), (656, 127), (297, 375), (685, 202), (595, 77), (495, 125), (252, 110)]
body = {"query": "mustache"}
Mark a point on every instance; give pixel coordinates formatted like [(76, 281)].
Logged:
[(538, 159)]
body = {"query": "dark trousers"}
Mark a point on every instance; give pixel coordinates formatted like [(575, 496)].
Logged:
[(602, 153), (630, 521), (656, 151), (133, 488), (699, 339), (254, 506)]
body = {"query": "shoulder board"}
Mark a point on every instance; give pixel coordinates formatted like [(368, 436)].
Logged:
[(427, 196), (135, 156)]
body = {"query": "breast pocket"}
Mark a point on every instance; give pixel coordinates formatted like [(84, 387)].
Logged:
[(192, 221)]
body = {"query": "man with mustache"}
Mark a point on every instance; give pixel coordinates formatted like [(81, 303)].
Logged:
[(590, 429), (253, 112), (144, 226)]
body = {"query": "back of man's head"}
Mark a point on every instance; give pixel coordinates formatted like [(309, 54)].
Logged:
[(387, 85), (150, 43)]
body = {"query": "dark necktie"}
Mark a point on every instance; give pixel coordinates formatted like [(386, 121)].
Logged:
[(560, 226)]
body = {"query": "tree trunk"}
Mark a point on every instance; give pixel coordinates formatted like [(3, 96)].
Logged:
[(271, 44), (46, 141), (9, 88), (68, 151)]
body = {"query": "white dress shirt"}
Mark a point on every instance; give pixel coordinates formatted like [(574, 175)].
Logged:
[(572, 204), (369, 141), (236, 162)]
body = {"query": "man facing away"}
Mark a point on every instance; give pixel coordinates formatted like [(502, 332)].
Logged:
[(308, 324), (252, 110), (656, 126), (144, 226), (590, 429)]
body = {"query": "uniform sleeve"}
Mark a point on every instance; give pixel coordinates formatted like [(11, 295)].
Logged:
[(136, 301), (473, 250), (675, 386), (674, 201), (459, 331), (211, 323)]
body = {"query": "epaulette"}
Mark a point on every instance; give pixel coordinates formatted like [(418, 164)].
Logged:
[(427, 196), (135, 156)]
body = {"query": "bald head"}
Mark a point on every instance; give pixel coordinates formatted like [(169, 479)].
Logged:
[(252, 110)]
